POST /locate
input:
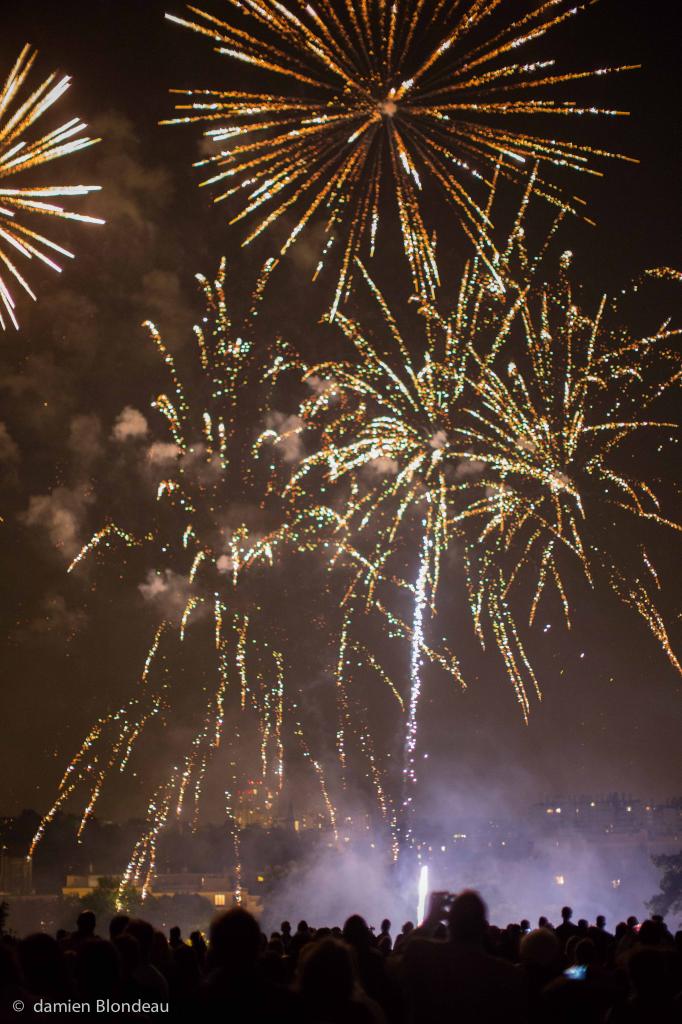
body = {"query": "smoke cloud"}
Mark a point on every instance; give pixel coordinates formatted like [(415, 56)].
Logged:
[(61, 514), (130, 424)]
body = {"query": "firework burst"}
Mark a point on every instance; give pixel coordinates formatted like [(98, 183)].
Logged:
[(209, 491), (21, 154), (504, 435), (377, 98), (555, 427)]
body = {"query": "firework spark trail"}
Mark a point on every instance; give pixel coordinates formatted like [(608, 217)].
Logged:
[(369, 657), (20, 154), (409, 769), (371, 94), (318, 769), (127, 724), (383, 799), (342, 698), (235, 836), (279, 719)]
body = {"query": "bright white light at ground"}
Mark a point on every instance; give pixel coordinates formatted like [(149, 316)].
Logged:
[(422, 890)]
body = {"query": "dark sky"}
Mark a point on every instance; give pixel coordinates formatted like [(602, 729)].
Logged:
[(74, 645)]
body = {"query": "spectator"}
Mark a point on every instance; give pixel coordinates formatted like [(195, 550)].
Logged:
[(540, 954), (98, 971), (44, 968), (566, 929), (457, 980), (86, 923), (198, 944), (235, 979), (651, 1000), (118, 925), (384, 941), (329, 990), (369, 963), (285, 932), (404, 933), (149, 980), (299, 940)]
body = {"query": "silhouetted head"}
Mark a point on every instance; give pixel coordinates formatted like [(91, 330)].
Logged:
[(355, 931), (525, 925), (385, 925), (467, 918), (161, 954), (175, 935), (325, 974), (118, 925), (647, 969), (650, 933), (98, 968), (85, 923), (144, 933), (128, 949), (285, 928), (601, 922), (540, 947), (543, 922), (42, 963), (235, 938), (303, 926), (407, 927), (566, 914), (632, 922), (10, 975)]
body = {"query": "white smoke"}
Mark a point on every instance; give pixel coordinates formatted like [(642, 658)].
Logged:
[(381, 466), (130, 424), (61, 514), (162, 452), (439, 439), (9, 449), (466, 468), (85, 433)]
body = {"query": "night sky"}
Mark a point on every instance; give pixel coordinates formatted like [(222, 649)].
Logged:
[(73, 645)]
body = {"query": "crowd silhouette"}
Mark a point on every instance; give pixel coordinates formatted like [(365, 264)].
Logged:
[(454, 968)]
